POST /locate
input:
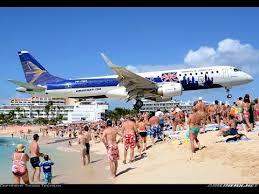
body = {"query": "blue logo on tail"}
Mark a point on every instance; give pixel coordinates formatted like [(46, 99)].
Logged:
[(35, 73)]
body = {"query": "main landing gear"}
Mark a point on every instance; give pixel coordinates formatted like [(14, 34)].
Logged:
[(229, 95), (138, 104)]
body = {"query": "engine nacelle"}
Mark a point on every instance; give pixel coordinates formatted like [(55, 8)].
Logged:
[(21, 89), (170, 89), (118, 93)]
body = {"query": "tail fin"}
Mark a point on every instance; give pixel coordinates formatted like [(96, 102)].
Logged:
[(35, 73)]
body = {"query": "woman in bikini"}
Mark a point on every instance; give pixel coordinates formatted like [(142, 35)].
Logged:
[(19, 167), (194, 123)]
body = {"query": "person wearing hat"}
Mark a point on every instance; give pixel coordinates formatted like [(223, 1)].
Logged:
[(35, 157), (19, 168)]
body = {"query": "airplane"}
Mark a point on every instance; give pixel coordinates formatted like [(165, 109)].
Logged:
[(156, 86)]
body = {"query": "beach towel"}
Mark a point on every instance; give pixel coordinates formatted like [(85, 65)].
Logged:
[(211, 127)]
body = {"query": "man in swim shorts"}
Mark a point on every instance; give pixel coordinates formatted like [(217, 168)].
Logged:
[(141, 125), (129, 130), (194, 122), (109, 140), (155, 130), (84, 139), (35, 157)]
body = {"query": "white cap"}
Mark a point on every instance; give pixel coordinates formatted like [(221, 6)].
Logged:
[(200, 98)]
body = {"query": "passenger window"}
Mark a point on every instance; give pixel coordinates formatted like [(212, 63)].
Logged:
[(217, 71), (185, 74), (235, 69), (190, 73), (206, 72), (212, 72), (180, 75), (196, 73), (201, 72)]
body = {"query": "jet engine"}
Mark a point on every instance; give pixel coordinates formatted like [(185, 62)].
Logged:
[(170, 89), (22, 89), (117, 93)]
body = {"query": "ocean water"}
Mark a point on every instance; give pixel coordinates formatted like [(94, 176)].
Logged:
[(7, 147)]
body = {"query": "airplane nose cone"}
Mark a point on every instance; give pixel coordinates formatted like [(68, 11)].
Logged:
[(249, 78)]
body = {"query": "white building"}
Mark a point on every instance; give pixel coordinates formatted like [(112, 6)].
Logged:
[(37, 100), (35, 107), (88, 111), (149, 106)]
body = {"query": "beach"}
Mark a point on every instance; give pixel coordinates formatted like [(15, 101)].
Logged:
[(165, 163)]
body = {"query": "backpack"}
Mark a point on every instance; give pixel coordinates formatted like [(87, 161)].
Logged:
[(19, 167)]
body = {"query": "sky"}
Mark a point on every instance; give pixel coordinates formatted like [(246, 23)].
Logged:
[(68, 42)]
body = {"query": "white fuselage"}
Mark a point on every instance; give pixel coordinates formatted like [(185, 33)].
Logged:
[(191, 79)]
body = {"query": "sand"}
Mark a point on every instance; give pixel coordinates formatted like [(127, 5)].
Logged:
[(166, 163)]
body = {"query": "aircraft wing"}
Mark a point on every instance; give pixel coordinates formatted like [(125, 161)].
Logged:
[(27, 86), (131, 81)]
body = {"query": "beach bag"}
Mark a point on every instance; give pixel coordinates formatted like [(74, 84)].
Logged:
[(19, 167)]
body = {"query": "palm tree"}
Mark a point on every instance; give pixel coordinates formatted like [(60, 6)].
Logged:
[(11, 114), (53, 108), (58, 110), (47, 108), (38, 112), (1, 116), (24, 113), (18, 109)]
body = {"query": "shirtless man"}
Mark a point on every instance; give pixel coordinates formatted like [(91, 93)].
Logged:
[(201, 110), (129, 130), (200, 106), (155, 130), (83, 139), (35, 157), (233, 127), (141, 126), (109, 140), (194, 123), (217, 109), (246, 107), (239, 104)]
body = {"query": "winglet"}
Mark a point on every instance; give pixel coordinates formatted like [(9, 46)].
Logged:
[(107, 60)]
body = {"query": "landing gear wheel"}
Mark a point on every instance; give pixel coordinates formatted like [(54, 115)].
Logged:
[(229, 96), (227, 90), (138, 105)]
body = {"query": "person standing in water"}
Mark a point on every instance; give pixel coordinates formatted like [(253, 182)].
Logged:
[(19, 168)]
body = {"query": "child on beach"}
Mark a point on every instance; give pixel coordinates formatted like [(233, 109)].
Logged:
[(47, 170)]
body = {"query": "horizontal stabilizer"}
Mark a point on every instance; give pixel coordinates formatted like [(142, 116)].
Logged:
[(27, 86)]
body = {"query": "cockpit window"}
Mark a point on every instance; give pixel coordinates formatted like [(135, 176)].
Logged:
[(235, 69)]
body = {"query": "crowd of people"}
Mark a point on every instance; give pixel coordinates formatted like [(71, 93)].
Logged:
[(132, 131)]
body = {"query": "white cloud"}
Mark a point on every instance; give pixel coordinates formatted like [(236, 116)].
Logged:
[(228, 52)]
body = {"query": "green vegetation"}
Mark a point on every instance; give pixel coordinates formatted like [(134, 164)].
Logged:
[(117, 113)]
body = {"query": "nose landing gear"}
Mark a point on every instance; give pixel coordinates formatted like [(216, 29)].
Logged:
[(229, 95)]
